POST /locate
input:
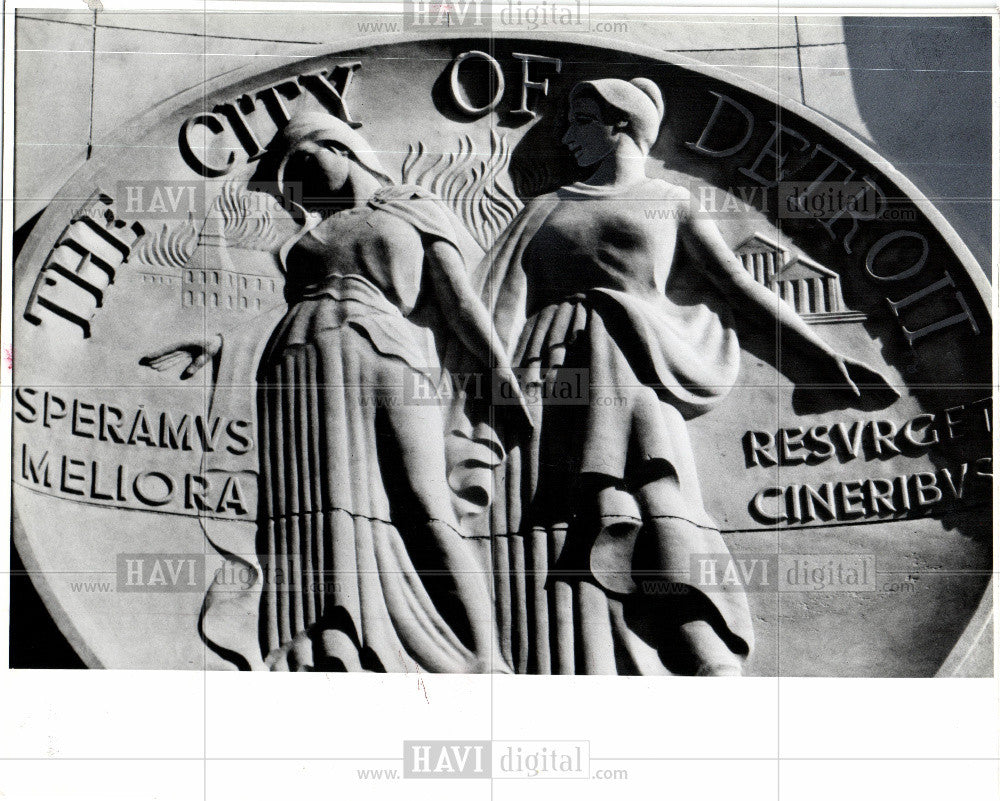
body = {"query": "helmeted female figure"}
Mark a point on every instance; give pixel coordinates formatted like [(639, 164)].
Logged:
[(364, 565)]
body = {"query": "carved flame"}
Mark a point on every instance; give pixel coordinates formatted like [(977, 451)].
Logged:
[(247, 221), (471, 186), (167, 247)]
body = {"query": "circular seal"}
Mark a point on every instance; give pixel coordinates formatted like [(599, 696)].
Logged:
[(180, 430)]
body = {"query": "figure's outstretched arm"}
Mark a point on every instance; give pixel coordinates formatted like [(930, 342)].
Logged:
[(466, 315), (726, 271), (195, 354)]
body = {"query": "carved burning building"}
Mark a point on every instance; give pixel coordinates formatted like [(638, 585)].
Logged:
[(229, 265), (236, 225), (211, 280), (807, 286)]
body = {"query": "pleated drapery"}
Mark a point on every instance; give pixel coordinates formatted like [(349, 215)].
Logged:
[(340, 589)]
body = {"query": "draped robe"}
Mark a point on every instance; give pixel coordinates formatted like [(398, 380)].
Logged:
[(336, 584), (600, 504)]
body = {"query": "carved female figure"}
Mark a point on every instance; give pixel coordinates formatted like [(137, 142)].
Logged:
[(603, 500), (365, 567)]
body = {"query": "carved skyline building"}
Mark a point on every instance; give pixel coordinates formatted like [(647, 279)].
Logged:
[(806, 285)]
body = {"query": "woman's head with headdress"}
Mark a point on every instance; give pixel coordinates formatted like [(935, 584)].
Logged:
[(315, 151), (634, 108)]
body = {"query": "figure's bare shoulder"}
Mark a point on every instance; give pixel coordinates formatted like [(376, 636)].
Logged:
[(673, 202), (664, 190)]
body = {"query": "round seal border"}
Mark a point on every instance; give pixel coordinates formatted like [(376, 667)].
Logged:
[(971, 638)]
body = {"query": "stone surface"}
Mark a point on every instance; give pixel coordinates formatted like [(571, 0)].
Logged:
[(785, 465), (765, 49), (51, 140)]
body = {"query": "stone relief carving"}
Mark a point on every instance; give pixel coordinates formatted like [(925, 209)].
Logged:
[(357, 511), (473, 188), (466, 421), (200, 256), (579, 285), (170, 246), (83, 265), (805, 285), (564, 300)]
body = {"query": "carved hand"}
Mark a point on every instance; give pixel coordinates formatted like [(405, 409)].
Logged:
[(193, 355), (506, 375), (857, 376)]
